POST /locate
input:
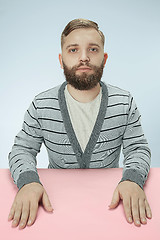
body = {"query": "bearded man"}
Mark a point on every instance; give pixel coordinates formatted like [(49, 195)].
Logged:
[(83, 124)]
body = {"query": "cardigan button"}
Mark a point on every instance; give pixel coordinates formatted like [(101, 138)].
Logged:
[(78, 154), (83, 165)]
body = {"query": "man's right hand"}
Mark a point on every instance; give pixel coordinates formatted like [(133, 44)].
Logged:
[(25, 206)]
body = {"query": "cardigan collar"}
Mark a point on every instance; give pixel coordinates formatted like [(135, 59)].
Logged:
[(83, 158)]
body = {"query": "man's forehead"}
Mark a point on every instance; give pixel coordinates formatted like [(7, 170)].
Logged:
[(89, 36)]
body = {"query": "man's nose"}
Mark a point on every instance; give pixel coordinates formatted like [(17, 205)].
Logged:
[(84, 56)]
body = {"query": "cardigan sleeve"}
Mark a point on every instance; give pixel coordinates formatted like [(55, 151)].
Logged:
[(137, 155), (27, 144)]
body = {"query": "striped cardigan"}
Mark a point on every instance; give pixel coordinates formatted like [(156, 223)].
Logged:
[(47, 121)]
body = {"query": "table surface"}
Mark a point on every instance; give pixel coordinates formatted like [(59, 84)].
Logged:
[(80, 198)]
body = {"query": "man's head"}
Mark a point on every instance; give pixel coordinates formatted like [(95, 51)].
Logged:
[(83, 56), (79, 24)]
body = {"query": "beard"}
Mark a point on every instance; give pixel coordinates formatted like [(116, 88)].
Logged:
[(84, 81)]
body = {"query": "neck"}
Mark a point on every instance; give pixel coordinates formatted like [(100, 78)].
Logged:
[(83, 96)]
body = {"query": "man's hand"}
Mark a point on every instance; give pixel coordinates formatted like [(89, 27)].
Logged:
[(25, 206), (135, 203)]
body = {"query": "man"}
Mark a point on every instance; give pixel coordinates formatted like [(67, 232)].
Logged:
[(83, 124)]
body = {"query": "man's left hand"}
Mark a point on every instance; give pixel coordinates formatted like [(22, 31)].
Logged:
[(136, 206)]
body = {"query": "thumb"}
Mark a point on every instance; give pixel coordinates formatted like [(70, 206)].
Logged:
[(46, 202), (115, 199)]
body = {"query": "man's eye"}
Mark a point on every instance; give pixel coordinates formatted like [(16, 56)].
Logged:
[(93, 49), (73, 50)]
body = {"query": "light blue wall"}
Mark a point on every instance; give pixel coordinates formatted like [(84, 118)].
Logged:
[(30, 42)]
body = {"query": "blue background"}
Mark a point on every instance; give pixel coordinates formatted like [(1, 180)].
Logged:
[(30, 43)]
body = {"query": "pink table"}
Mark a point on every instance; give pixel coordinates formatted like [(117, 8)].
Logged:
[(80, 198)]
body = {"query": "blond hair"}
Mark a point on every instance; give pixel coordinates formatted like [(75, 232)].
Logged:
[(80, 23)]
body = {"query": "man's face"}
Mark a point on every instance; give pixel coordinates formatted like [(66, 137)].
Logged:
[(83, 58)]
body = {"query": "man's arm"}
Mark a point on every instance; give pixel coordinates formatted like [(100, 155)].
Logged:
[(27, 144), (137, 155), (136, 168), (22, 162)]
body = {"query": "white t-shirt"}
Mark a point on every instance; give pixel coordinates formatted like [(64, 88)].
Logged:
[(83, 116)]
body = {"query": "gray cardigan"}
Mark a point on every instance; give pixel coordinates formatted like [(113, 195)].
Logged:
[(47, 121)]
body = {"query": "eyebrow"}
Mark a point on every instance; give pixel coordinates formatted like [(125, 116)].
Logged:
[(76, 45), (72, 45), (94, 44)]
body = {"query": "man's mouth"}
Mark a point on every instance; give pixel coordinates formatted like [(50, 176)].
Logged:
[(84, 69)]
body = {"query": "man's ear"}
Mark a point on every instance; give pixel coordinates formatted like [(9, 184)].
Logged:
[(105, 58), (60, 60)]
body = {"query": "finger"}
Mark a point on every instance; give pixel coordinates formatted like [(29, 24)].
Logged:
[(127, 208), (33, 213), (11, 213), (148, 210), (17, 215), (24, 216), (142, 211), (46, 203), (135, 211), (115, 199)]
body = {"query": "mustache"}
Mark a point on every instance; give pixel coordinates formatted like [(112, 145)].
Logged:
[(87, 64)]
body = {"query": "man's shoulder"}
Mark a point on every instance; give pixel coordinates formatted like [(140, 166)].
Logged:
[(49, 93), (114, 90)]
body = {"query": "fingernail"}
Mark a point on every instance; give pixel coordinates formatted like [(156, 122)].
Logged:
[(111, 204), (21, 224), (51, 209), (14, 223), (29, 222), (138, 222), (144, 220), (130, 219)]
